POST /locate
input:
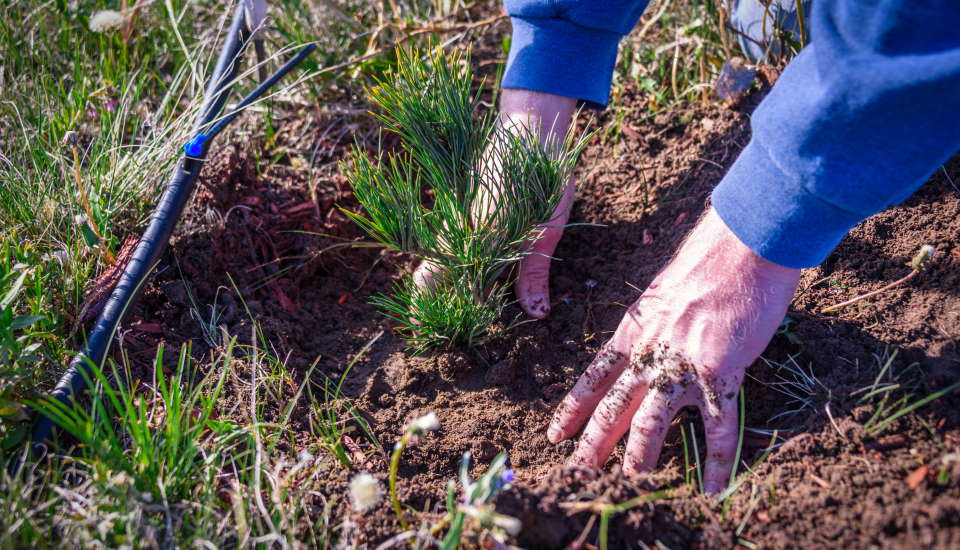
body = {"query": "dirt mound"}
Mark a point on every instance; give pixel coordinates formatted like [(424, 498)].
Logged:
[(829, 485)]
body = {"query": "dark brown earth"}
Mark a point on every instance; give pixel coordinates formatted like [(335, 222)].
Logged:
[(254, 235)]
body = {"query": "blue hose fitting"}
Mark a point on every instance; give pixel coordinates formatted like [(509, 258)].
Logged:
[(194, 147)]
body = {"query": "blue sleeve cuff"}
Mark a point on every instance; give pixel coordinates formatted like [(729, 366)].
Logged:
[(562, 58), (775, 215)]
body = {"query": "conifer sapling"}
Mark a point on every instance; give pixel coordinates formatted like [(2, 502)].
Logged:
[(464, 192)]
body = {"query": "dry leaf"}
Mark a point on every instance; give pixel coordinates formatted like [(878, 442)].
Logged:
[(916, 477)]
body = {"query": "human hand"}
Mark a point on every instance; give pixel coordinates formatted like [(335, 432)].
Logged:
[(685, 342), (521, 110)]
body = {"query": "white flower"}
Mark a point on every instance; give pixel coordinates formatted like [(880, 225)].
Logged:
[(919, 262), (306, 456), (365, 491), (426, 423), (107, 20), (511, 525), (487, 516)]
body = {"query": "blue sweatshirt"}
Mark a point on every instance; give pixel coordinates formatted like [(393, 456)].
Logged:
[(855, 124)]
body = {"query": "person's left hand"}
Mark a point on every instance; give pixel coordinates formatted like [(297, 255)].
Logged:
[(685, 342), (522, 111)]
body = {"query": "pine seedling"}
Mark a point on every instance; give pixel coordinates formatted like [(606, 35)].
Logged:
[(463, 192)]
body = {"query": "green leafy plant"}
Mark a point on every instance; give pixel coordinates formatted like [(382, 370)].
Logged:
[(464, 192), (17, 346), (893, 395), (418, 427), (476, 513), (159, 443), (329, 418)]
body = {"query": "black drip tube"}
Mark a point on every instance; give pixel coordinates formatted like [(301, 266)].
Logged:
[(154, 240)]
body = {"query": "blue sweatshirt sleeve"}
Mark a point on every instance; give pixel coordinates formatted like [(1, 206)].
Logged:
[(855, 124), (567, 47)]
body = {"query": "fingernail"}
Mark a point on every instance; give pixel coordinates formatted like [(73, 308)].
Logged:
[(537, 305), (553, 434)]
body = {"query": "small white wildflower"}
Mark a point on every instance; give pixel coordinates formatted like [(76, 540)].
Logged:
[(511, 525), (365, 491), (106, 21), (426, 423), (306, 456), (919, 262)]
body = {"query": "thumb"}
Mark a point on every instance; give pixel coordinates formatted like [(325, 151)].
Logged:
[(533, 281)]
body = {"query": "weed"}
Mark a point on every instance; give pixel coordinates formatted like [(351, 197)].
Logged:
[(888, 397), (465, 194), (157, 446), (416, 428), (18, 346), (165, 464), (917, 264), (736, 481), (609, 510), (801, 387), (325, 418), (606, 510), (692, 471), (887, 412), (475, 510), (787, 332), (674, 54)]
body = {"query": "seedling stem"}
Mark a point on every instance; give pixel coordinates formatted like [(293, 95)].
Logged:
[(917, 264)]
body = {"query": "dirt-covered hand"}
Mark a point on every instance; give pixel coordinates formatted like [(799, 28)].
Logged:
[(551, 114), (685, 342)]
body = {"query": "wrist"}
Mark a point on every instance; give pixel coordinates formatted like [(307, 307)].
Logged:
[(532, 109), (713, 241)]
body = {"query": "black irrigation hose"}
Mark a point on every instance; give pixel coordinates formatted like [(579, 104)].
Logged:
[(165, 217)]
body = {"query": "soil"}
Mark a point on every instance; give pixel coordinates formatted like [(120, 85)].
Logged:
[(265, 238)]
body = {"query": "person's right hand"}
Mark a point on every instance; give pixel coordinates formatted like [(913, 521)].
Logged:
[(520, 110), (685, 342)]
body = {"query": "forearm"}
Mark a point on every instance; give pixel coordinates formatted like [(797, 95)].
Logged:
[(856, 123), (548, 113)]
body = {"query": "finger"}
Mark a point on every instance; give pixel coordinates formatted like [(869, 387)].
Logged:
[(424, 274), (533, 285), (722, 429), (424, 277), (533, 281), (649, 427), (610, 421), (589, 389)]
